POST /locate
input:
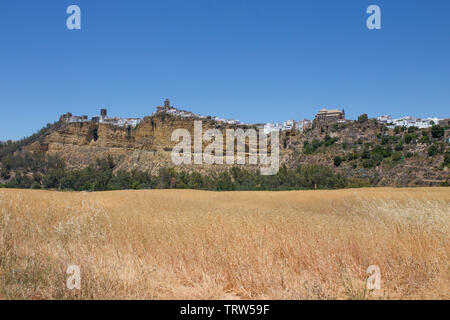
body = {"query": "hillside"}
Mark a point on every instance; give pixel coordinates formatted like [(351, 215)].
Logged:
[(365, 152), (370, 151)]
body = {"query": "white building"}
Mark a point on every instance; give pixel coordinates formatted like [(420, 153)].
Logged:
[(400, 122), (423, 124), (269, 127), (125, 122), (304, 124), (77, 119), (232, 121), (120, 122), (409, 121), (385, 119), (433, 121), (406, 121), (288, 125)]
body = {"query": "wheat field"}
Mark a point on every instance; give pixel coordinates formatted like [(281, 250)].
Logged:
[(180, 244)]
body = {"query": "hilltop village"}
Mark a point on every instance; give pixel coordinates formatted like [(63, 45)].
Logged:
[(102, 118), (323, 116), (364, 152), (133, 122)]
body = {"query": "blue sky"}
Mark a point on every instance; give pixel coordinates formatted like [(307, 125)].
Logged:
[(253, 60)]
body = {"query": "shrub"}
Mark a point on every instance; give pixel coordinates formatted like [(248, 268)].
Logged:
[(396, 156), (437, 132), (308, 148), (377, 158), (335, 127), (358, 183), (337, 161), (425, 139), (363, 118), (399, 147), (329, 141), (412, 129), (368, 163), (446, 162), (408, 138), (4, 173), (365, 154), (433, 150), (35, 185)]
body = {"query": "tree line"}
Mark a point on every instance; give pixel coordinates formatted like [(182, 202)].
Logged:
[(49, 172)]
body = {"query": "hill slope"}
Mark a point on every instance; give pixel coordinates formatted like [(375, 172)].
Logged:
[(366, 152)]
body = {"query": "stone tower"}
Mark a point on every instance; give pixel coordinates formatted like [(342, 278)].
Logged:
[(167, 104)]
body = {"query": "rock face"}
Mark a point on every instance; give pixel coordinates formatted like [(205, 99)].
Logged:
[(148, 148)]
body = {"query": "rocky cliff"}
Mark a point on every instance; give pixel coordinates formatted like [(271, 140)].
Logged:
[(146, 148), (369, 151)]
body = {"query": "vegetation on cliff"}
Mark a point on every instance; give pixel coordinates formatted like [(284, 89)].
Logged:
[(10, 147), (49, 172), (331, 155)]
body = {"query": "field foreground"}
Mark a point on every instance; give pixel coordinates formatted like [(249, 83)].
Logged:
[(179, 244)]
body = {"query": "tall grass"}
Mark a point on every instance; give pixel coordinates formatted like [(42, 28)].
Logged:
[(174, 244)]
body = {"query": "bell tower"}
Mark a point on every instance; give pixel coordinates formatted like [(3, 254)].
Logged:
[(167, 104)]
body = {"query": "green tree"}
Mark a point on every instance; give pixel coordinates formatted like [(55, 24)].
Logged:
[(224, 182), (308, 148), (363, 118), (337, 161), (408, 138), (446, 162), (412, 129), (35, 185), (52, 180), (368, 163), (399, 147), (433, 150), (437, 131), (5, 173), (425, 139)]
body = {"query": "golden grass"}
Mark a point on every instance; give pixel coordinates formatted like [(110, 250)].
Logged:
[(178, 244)]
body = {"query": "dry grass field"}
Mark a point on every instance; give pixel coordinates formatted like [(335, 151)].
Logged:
[(178, 244)]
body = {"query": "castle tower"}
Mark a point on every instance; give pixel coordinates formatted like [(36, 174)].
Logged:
[(167, 104), (103, 113)]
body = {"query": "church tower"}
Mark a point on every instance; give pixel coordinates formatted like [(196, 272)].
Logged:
[(167, 104)]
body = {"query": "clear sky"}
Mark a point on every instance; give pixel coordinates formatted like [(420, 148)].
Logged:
[(252, 60)]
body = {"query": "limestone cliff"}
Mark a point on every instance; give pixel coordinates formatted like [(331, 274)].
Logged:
[(148, 148)]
